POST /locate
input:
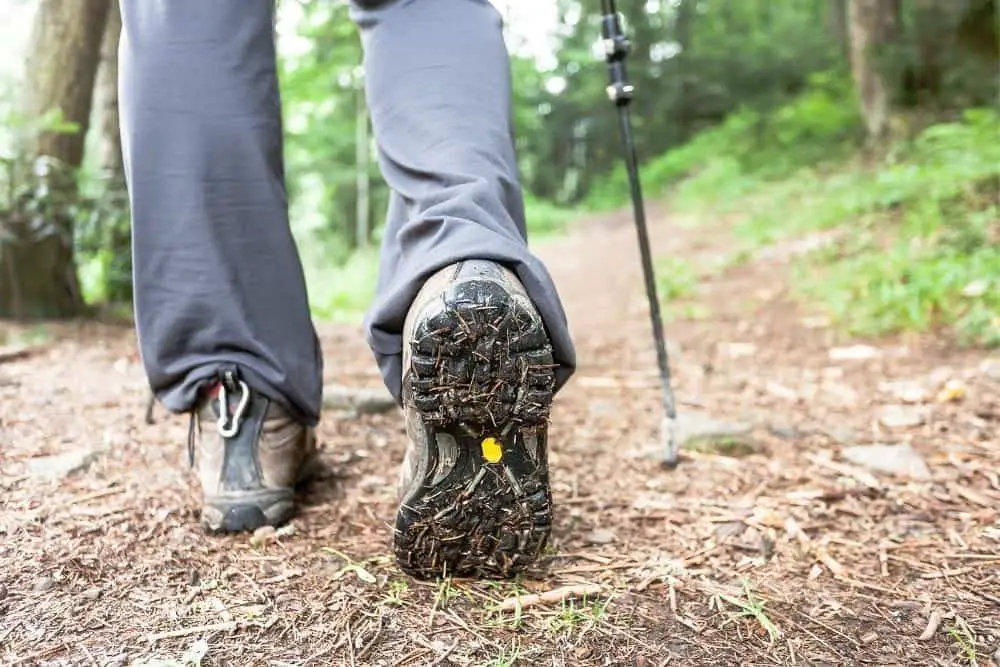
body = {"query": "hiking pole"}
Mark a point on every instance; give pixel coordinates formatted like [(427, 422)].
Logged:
[(620, 91)]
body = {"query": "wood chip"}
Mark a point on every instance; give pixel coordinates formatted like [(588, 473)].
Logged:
[(857, 474)]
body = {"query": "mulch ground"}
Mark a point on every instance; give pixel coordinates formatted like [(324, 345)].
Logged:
[(767, 547)]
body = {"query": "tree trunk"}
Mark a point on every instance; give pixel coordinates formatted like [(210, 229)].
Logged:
[(37, 268), (115, 228), (873, 25), (110, 145)]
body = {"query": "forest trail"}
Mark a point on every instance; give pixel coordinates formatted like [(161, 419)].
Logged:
[(779, 543)]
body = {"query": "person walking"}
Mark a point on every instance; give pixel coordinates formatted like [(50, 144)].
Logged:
[(467, 327)]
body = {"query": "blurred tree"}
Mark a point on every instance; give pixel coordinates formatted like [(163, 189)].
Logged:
[(874, 25), (108, 228), (106, 98), (37, 253), (334, 186)]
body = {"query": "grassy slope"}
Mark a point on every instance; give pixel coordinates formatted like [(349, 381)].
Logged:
[(919, 247)]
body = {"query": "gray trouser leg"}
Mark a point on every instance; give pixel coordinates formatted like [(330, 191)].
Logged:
[(217, 276), (439, 91)]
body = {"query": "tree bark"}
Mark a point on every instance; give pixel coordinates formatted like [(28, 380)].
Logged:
[(873, 25), (37, 267), (115, 228), (110, 145)]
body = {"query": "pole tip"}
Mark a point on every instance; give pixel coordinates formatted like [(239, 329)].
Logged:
[(668, 432)]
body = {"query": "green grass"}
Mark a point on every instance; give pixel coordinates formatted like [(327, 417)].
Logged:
[(919, 223), (920, 242), (676, 278), (341, 292)]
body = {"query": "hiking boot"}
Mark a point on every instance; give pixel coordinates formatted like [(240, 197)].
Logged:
[(251, 461), (478, 381)]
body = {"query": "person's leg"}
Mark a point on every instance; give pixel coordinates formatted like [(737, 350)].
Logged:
[(467, 327), (218, 282), (439, 92)]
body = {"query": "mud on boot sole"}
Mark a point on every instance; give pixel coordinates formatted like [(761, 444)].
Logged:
[(481, 378)]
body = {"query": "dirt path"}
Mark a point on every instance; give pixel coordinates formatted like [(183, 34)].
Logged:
[(767, 546)]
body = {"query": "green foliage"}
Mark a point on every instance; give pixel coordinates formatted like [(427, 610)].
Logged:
[(730, 160), (545, 218), (919, 245), (928, 252), (103, 245), (676, 278), (340, 291)]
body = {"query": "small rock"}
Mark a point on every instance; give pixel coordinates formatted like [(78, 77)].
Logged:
[(729, 530), (869, 637), (262, 536), (599, 407), (940, 375), (832, 372), (840, 394), (781, 391), (285, 531), (901, 460), (582, 652), (695, 425), (63, 465), (655, 501), (906, 391), (600, 537), (839, 434), (953, 390), (901, 416), (854, 353), (784, 431), (738, 350), (976, 288), (361, 400), (816, 322), (990, 368), (372, 483), (43, 584), (92, 594)]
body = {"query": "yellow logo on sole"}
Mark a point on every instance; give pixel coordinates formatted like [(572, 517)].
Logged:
[(492, 451)]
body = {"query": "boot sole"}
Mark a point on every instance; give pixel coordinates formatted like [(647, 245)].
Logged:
[(481, 378), (247, 511)]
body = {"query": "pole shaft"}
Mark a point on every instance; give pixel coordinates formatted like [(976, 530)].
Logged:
[(632, 166)]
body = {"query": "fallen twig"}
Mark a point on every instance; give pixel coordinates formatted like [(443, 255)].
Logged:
[(183, 632), (555, 595), (932, 625), (444, 656), (948, 573), (857, 474)]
